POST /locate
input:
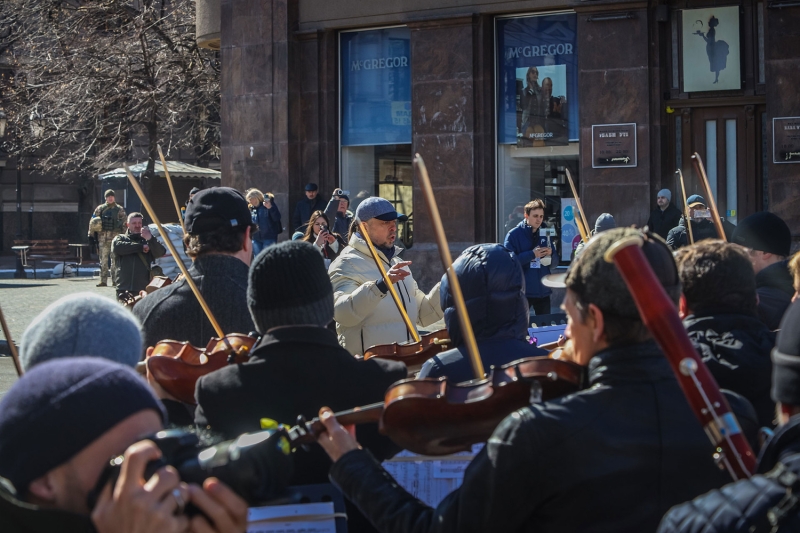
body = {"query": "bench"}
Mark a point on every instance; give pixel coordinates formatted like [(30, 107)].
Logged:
[(48, 251)]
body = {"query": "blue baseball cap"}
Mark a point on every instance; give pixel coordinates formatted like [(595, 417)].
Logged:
[(696, 199), (380, 208)]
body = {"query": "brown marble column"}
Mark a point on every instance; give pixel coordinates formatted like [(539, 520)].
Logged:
[(782, 57), (443, 132), (258, 149), (614, 88)]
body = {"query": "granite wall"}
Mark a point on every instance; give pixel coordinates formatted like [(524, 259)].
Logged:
[(613, 63), (782, 58)]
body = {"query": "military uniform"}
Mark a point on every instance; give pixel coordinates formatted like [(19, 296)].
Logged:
[(107, 222)]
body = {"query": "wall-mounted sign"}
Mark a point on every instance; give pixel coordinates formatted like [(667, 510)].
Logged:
[(537, 80), (786, 140), (711, 57), (614, 145), (376, 87)]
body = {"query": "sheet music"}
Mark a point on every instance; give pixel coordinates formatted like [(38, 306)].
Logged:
[(300, 518), (430, 479)]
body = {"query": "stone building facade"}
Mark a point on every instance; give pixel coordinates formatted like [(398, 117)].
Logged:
[(296, 107)]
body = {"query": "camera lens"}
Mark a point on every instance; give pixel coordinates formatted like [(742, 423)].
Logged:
[(256, 466)]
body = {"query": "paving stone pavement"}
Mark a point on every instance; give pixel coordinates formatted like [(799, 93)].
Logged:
[(23, 299)]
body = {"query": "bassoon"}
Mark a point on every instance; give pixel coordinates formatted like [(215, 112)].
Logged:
[(659, 314)]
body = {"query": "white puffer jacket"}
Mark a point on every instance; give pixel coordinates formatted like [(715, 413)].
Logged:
[(366, 317)]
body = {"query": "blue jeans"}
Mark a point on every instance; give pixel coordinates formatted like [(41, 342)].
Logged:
[(260, 245)]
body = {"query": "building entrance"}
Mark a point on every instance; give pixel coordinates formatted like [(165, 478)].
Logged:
[(729, 139)]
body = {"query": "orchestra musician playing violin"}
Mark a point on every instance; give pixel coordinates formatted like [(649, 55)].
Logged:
[(297, 365), (612, 457), (492, 282), (218, 226), (364, 316)]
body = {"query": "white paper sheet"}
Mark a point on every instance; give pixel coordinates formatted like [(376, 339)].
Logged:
[(430, 479), (300, 518)]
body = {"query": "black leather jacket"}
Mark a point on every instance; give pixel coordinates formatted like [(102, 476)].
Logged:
[(613, 457), (736, 348), (744, 506)]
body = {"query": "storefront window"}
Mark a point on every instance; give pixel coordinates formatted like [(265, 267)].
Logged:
[(537, 120), (376, 119)]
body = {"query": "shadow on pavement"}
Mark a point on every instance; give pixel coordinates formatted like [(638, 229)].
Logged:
[(23, 285)]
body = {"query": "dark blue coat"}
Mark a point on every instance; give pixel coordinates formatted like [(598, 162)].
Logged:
[(268, 220), (743, 506), (494, 290), (521, 240)]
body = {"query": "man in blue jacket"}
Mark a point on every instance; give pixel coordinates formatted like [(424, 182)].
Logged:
[(494, 291), (537, 253)]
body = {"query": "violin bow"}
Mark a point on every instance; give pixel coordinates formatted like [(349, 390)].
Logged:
[(177, 257), (686, 207), (11, 347), (171, 189), (701, 171), (447, 263), (585, 233), (581, 229), (388, 282)]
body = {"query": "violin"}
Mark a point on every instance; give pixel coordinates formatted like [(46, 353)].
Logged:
[(436, 417), (129, 300), (177, 366), (413, 354)]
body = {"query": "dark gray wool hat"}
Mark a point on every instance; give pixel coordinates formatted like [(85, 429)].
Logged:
[(82, 324), (289, 285), (60, 407)]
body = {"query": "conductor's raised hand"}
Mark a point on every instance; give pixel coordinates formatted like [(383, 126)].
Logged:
[(337, 440), (398, 272)]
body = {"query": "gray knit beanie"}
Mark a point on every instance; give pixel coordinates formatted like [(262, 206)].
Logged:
[(289, 285), (82, 324)]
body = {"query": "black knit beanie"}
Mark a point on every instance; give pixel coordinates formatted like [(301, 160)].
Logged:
[(765, 232), (61, 406), (786, 359), (289, 285)]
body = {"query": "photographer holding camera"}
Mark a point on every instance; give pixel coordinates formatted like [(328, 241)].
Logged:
[(337, 210), (61, 423), (535, 245)]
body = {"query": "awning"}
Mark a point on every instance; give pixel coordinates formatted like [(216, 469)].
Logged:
[(176, 170)]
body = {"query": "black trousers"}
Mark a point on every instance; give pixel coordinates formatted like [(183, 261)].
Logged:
[(541, 306)]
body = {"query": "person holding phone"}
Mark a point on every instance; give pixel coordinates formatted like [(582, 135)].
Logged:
[(338, 211), (319, 234), (535, 245)]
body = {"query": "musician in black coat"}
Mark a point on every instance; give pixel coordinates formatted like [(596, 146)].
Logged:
[(769, 500), (718, 307), (219, 226), (613, 457), (298, 365)]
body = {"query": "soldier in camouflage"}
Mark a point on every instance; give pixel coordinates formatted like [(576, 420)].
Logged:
[(107, 222)]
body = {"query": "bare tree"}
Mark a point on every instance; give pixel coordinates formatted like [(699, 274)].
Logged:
[(92, 76)]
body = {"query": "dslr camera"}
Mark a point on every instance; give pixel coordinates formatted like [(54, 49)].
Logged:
[(256, 466)]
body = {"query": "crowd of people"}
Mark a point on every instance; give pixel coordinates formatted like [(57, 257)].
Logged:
[(625, 453)]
